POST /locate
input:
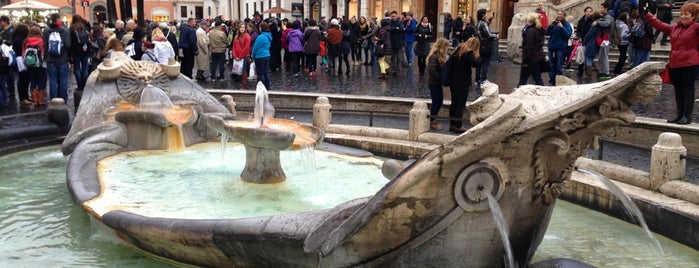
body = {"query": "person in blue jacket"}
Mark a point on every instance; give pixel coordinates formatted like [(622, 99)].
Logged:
[(410, 28), (558, 32), (260, 53), (188, 44)]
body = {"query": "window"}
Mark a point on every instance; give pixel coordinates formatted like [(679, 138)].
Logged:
[(183, 11)]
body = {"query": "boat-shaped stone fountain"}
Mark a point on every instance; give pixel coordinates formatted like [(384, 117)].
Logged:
[(435, 212)]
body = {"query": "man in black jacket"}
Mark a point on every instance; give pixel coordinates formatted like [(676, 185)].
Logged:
[(397, 41), (581, 29), (188, 44)]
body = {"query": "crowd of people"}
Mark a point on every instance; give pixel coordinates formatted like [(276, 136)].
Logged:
[(257, 47), (625, 24)]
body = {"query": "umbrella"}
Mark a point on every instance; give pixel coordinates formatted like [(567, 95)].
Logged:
[(28, 5), (275, 10)]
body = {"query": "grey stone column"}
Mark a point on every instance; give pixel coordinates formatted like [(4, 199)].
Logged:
[(667, 160)]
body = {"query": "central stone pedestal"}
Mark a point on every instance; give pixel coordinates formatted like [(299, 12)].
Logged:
[(262, 166)]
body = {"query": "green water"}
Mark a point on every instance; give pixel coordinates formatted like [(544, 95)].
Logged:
[(40, 226)]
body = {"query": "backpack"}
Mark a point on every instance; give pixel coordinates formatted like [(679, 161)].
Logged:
[(32, 57), (614, 35), (55, 44), (445, 75), (83, 38), (638, 30), (8, 55)]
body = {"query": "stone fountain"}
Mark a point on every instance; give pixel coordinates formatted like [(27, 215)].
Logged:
[(433, 212)]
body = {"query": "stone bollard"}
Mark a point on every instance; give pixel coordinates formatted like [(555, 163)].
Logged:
[(667, 161), (227, 101), (58, 114), (321, 113), (419, 120)]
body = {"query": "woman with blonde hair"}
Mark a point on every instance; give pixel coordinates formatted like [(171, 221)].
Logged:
[(436, 59), (532, 50), (113, 44), (465, 57), (162, 49)]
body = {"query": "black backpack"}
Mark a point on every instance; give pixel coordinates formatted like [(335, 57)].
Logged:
[(445, 75), (83, 39)]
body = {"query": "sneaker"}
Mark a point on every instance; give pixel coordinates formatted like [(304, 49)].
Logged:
[(312, 74), (604, 77), (26, 102), (457, 130)]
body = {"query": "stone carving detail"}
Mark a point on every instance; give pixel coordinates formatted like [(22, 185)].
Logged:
[(135, 75), (646, 90), (570, 124), (547, 180)]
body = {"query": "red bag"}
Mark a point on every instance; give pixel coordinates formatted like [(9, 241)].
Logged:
[(601, 37), (323, 49), (665, 75)]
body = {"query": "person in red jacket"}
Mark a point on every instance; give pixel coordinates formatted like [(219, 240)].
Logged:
[(334, 38), (542, 15), (241, 51), (684, 58)]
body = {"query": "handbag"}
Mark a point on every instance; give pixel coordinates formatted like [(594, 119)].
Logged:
[(238, 67), (665, 75), (21, 67), (580, 57), (365, 44), (379, 51), (545, 65)]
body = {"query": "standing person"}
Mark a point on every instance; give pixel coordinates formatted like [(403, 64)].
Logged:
[(410, 28), (241, 51), (457, 28), (383, 47), (469, 29), (19, 35), (559, 32), (203, 58), (607, 25), (275, 48), (584, 25), (58, 41), (334, 41), (356, 40), (261, 55), (295, 42), (622, 25), (486, 45), (423, 35), (665, 15), (6, 37), (97, 36), (37, 73), (448, 22), (311, 46), (368, 41), (188, 44), (163, 50), (642, 40), (170, 36), (119, 29), (542, 15), (218, 41), (465, 58), (285, 45), (532, 50), (397, 42), (253, 32), (79, 50), (437, 57), (345, 47), (592, 48), (684, 58)]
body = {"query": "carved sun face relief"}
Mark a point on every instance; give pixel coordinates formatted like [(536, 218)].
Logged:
[(135, 75)]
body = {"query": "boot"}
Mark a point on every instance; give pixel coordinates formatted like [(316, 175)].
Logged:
[(687, 114), (40, 94), (434, 125), (244, 80), (679, 100), (588, 72), (35, 92)]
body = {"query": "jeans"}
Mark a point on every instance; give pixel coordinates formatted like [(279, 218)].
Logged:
[(58, 80), (311, 62), (640, 56), (532, 69), (482, 70), (437, 95), (604, 60), (556, 62), (4, 95), (262, 70), (37, 78), (369, 53), (409, 52), (217, 60), (396, 60), (80, 69), (619, 68)]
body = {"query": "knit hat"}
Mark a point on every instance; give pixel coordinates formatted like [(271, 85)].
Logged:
[(334, 22)]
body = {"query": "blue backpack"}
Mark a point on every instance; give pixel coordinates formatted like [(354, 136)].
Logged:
[(55, 44)]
